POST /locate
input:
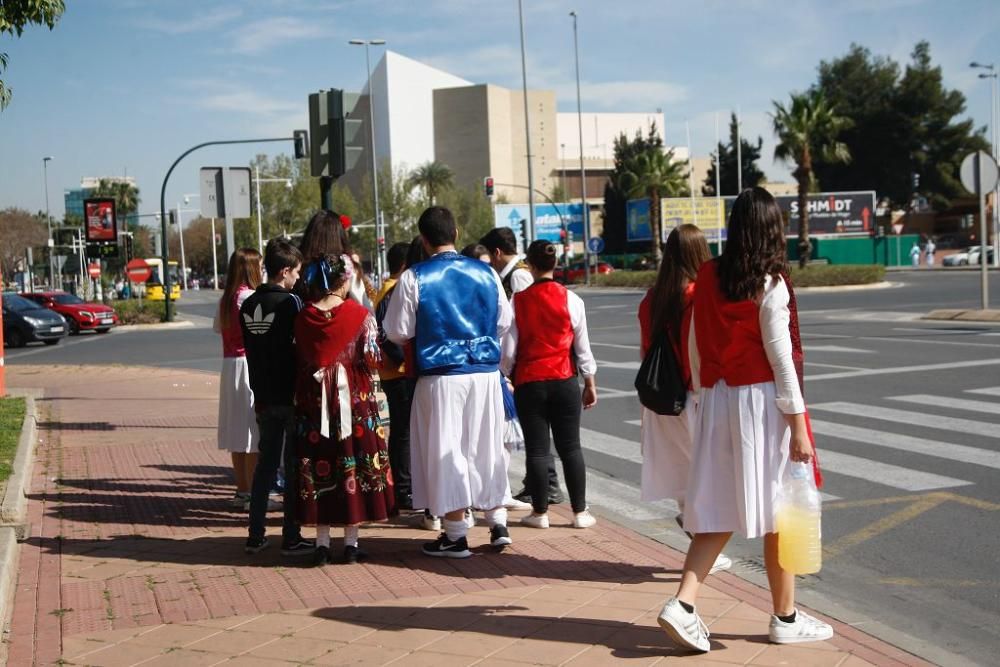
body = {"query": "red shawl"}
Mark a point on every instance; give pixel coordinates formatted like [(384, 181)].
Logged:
[(798, 358), (322, 335)]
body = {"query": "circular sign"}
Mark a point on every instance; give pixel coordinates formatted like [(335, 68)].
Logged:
[(138, 270), (596, 245), (981, 177), (94, 270)]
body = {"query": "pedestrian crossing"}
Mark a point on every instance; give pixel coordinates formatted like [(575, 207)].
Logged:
[(870, 459)]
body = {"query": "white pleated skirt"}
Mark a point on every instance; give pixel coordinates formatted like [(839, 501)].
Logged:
[(740, 457), (456, 443), (666, 453), (237, 430)]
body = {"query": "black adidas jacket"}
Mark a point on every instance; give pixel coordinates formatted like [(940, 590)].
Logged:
[(267, 319)]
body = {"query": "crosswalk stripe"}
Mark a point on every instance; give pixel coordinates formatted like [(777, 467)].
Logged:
[(634, 422), (949, 402), (884, 473), (906, 443), (908, 417), (627, 365), (985, 391), (837, 348)]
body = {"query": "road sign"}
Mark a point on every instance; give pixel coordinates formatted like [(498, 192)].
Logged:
[(897, 227), (138, 270), (214, 184), (983, 180), (596, 245), (94, 270)]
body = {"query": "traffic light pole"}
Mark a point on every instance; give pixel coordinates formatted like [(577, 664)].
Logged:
[(168, 303)]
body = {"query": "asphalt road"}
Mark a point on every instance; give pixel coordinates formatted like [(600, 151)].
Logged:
[(908, 420)]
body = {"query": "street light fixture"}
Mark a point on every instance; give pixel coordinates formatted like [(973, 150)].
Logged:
[(995, 146), (48, 220), (379, 226)]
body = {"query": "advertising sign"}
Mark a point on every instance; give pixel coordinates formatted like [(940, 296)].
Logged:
[(102, 224), (708, 213), (637, 222), (830, 213), (549, 219)]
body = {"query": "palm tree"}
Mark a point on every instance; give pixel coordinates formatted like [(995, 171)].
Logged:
[(807, 131), (432, 177), (654, 173)]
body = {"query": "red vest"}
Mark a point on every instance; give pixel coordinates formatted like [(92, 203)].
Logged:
[(544, 334), (728, 333)]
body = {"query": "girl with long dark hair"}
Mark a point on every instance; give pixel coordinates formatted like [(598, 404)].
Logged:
[(750, 421), (326, 234)]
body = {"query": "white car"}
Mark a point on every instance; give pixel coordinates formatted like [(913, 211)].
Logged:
[(975, 252), (960, 258)]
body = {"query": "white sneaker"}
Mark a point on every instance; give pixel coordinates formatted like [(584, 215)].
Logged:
[(470, 519), (535, 520), (431, 523), (515, 504), (584, 519), (805, 628), (684, 627), (723, 562)]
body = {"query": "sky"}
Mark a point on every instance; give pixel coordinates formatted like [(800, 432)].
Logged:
[(123, 87)]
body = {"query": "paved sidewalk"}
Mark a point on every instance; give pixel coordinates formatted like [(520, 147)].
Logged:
[(135, 558)]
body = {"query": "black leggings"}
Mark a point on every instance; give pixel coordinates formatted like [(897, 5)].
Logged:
[(552, 404)]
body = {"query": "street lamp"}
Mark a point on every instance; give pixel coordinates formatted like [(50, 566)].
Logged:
[(583, 172), (379, 226), (527, 128), (48, 220), (995, 146), (260, 225)]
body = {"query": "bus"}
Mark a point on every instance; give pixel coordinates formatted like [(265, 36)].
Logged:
[(154, 286)]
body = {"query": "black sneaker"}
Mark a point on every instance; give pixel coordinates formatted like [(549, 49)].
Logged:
[(321, 556), (298, 547), (556, 496), (523, 496), (445, 548), (354, 554), (255, 545), (500, 536)]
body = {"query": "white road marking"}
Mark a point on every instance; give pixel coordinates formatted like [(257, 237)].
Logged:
[(986, 391), (912, 418), (841, 367), (627, 365), (605, 392), (836, 348), (615, 345), (929, 342), (634, 422), (949, 402), (942, 332), (906, 369), (616, 305), (821, 336), (885, 474), (907, 443)]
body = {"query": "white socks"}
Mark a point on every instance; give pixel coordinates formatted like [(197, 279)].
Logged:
[(350, 536), (455, 530), (323, 536), (496, 517)]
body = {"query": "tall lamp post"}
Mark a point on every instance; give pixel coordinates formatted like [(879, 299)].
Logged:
[(583, 172), (379, 226), (527, 129), (48, 220), (995, 146)]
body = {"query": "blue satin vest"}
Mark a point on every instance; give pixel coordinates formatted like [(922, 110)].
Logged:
[(456, 316)]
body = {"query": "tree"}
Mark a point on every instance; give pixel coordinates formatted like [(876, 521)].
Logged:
[(14, 16), (901, 125), (748, 155), (19, 230), (432, 178), (808, 130)]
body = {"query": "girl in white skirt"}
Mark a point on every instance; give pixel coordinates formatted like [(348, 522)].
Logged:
[(237, 431), (750, 419), (666, 309)]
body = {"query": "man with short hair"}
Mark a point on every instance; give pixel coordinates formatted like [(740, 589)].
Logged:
[(515, 276), (455, 310), (267, 318)]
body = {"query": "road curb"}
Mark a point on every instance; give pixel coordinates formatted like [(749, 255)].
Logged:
[(14, 507), (989, 316), (180, 324)]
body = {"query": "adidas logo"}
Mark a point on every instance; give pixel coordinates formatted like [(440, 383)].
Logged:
[(259, 323)]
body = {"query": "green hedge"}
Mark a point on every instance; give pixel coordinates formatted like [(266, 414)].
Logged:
[(816, 275), (11, 418), (135, 311)]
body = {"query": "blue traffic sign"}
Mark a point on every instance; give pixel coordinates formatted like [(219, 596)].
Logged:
[(596, 245)]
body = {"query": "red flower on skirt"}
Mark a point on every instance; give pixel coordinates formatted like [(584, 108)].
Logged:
[(313, 437), (351, 485), (358, 431), (322, 468)]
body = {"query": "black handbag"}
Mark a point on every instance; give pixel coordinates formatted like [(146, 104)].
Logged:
[(660, 382)]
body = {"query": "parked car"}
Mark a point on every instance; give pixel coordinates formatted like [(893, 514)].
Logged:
[(575, 272), (960, 258), (80, 315), (25, 321), (976, 251)]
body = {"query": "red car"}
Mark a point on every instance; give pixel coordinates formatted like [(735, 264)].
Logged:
[(575, 272), (80, 315)]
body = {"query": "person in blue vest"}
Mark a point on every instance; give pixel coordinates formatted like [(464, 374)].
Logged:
[(456, 312)]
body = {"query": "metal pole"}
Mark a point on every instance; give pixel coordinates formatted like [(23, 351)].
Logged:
[(583, 171), (260, 224), (527, 128), (48, 220), (739, 151), (996, 156), (215, 259), (180, 232), (694, 207), (371, 123), (718, 188), (985, 286)]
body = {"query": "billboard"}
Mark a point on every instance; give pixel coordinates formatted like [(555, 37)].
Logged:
[(549, 219), (830, 213), (708, 213), (637, 221), (102, 223)]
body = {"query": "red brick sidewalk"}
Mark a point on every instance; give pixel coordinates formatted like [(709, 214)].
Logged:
[(135, 558)]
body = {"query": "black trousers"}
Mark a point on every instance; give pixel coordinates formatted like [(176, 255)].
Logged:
[(552, 405), (277, 442), (399, 395)]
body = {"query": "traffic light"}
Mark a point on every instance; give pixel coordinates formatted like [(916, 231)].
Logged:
[(524, 235), (337, 139), (916, 181), (488, 186), (127, 244), (301, 139)]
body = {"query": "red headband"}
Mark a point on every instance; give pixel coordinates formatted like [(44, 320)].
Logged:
[(345, 222)]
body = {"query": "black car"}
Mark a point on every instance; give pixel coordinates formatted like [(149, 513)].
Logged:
[(25, 321)]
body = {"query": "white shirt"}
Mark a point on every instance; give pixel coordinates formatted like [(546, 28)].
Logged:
[(581, 339), (773, 317), (400, 321), (520, 279)]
